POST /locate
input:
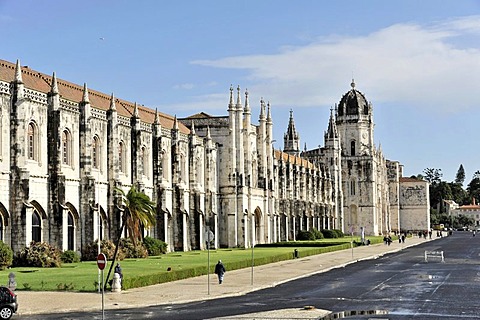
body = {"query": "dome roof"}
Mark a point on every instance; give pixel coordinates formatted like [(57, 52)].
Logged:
[(353, 102)]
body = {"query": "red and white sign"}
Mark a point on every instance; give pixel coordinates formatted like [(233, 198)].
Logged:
[(101, 261)]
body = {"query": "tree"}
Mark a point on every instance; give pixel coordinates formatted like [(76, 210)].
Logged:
[(476, 175), (433, 175), (459, 195), (473, 187), (460, 177), (464, 221), (438, 192), (138, 211)]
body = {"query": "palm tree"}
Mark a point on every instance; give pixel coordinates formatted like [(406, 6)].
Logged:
[(138, 211)]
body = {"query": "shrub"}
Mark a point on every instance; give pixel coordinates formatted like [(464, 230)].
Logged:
[(329, 234), (131, 250), (339, 233), (305, 235), (317, 234), (107, 247), (6, 256), (155, 247), (38, 254), (70, 256)]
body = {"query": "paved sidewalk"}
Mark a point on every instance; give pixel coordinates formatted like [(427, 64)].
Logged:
[(236, 282)]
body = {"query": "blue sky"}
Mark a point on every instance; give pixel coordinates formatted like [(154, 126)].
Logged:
[(418, 62)]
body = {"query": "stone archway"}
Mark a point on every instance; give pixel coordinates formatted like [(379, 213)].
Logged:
[(4, 223), (72, 236)]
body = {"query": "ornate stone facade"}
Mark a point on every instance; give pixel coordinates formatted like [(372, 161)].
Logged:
[(65, 148)]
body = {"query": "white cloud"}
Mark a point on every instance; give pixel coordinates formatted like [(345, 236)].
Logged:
[(421, 66), (214, 103), (184, 86)]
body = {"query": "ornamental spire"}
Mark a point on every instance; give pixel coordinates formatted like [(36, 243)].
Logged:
[(269, 115), (135, 110), (239, 100), (208, 133), (18, 72), (262, 109), (192, 130), (247, 103), (112, 103), (54, 86), (230, 104), (157, 118), (175, 123), (85, 93)]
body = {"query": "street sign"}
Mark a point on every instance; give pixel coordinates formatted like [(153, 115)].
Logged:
[(209, 236), (101, 261)]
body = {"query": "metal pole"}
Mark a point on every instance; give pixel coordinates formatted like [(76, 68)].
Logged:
[(208, 268), (252, 262), (351, 244), (98, 218), (103, 297)]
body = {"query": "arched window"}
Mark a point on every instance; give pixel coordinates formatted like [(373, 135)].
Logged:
[(36, 227), (101, 228), (32, 143), (143, 161), (96, 152), (121, 162), (165, 172), (66, 147), (71, 232), (352, 148), (183, 169), (1, 228)]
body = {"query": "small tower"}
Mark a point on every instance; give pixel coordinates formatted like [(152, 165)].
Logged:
[(291, 139)]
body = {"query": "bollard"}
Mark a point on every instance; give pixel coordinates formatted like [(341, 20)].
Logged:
[(12, 283), (295, 254), (116, 283)]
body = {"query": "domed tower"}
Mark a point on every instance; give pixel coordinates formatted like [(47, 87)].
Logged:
[(354, 120), (355, 123)]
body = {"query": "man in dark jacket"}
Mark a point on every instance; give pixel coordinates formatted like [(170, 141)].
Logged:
[(220, 271)]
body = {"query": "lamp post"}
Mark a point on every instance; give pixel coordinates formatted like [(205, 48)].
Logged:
[(253, 246), (209, 236)]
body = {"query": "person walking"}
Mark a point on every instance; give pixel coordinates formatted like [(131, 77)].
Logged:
[(220, 271)]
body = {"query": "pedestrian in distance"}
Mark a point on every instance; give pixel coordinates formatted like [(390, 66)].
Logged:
[(220, 271)]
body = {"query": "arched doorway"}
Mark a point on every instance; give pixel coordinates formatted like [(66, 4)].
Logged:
[(70, 232), (36, 227)]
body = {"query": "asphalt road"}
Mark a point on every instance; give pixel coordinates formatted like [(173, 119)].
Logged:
[(398, 286)]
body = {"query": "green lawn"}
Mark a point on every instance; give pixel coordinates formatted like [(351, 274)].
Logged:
[(83, 276)]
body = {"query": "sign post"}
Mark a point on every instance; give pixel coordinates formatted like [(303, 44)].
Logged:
[(101, 263)]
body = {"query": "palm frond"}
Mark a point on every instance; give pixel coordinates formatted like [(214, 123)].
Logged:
[(139, 211)]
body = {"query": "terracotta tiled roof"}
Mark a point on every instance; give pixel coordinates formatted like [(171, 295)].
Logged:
[(41, 82), (280, 155)]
